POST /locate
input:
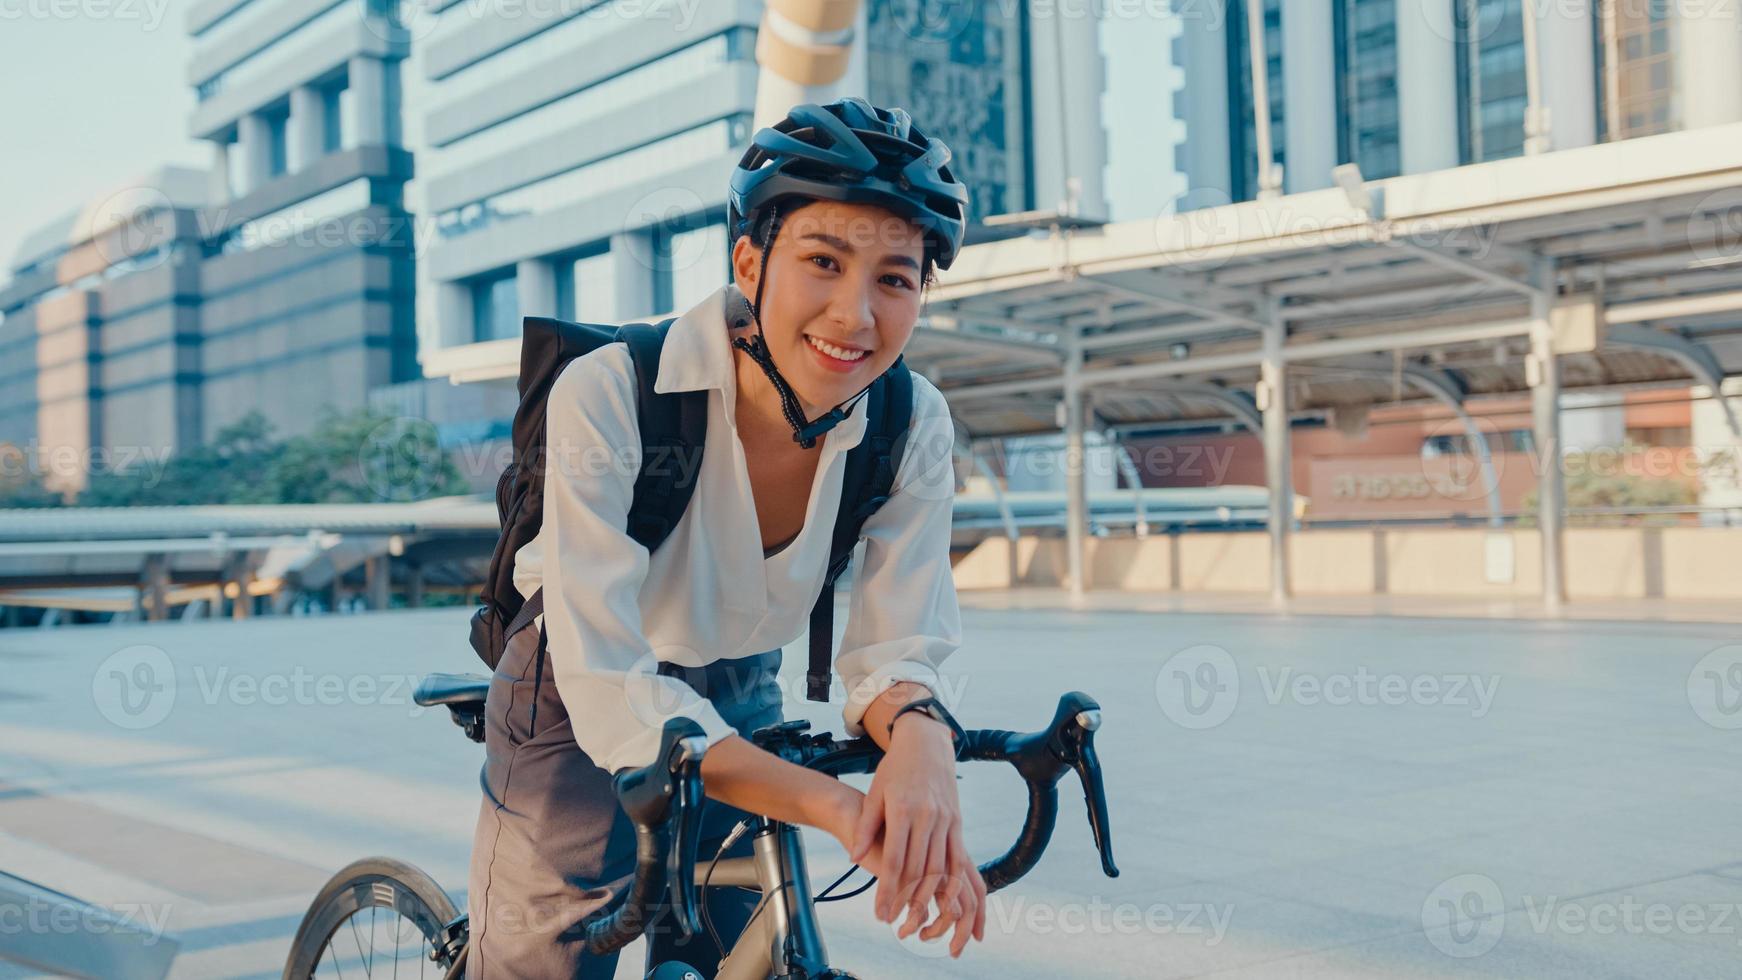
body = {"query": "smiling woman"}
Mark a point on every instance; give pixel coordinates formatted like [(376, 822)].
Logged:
[(838, 214)]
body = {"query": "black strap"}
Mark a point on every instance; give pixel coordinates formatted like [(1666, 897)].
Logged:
[(674, 430), (866, 482)]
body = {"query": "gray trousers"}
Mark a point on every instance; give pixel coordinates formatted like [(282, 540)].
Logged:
[(552, 845)]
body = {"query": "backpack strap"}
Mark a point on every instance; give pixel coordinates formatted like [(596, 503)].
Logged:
[(867, 481), (674, 429)]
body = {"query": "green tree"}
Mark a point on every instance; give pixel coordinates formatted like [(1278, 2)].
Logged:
[(355, 457)]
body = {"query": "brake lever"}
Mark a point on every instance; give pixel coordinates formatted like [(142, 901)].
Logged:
[(686, 821), (1073, 742)]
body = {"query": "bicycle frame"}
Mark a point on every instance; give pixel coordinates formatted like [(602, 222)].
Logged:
[(783, 935)]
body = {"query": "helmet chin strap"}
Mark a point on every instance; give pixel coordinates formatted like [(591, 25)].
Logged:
[(805, 433)]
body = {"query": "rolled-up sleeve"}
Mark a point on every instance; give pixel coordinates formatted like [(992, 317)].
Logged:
[(903, 618), (593, 571)]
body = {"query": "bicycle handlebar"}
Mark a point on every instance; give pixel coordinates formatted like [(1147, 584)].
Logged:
[(1040, 757), (663, 800)]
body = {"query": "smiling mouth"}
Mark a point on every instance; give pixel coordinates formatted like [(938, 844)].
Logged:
[(839, 353)]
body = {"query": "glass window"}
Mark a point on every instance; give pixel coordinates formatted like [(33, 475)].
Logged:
[(278, 144), (579, 107), (586, 288), (694, 263), (593, 180), (277, 55), (496, 306), (333, 134)]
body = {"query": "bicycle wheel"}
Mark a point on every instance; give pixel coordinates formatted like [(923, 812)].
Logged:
[(377, 917)]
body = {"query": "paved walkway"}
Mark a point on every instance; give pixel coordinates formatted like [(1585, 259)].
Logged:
[(1293, 795)]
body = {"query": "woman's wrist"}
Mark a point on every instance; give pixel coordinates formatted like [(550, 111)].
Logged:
[(834, 809)]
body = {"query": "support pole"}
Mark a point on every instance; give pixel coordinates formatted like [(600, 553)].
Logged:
[(414, 585), (1543, 373), (1076, 487), (377, 580), (154, 588), (1273, 401), (1005, 515)]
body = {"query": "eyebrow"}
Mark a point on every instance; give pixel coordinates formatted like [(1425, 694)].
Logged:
[(845, 246)]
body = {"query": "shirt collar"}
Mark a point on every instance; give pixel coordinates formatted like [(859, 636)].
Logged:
[(698, 356)]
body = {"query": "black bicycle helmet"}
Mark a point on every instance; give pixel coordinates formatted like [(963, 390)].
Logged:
[(855, 153)]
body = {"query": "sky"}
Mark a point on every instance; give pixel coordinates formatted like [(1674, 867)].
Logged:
[(93, 93)]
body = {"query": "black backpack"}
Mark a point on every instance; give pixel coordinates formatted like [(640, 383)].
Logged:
[(673, 425)]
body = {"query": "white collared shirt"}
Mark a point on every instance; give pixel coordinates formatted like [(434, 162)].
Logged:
[(612, 611)]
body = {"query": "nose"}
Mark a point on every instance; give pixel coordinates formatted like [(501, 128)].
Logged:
[(850, 307)]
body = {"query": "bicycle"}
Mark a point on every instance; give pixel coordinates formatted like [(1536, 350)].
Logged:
[(663, 800)]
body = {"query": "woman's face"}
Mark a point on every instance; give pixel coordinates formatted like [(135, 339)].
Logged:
[(842, 297)]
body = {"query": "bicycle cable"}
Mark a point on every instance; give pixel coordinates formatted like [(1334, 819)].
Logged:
[(823, 896), (708, 920)]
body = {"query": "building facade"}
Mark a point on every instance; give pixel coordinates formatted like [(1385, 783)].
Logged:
[(308, 280), (1411, 86), (99, 332)]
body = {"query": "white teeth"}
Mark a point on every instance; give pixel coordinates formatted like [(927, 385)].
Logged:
[(840, 353)]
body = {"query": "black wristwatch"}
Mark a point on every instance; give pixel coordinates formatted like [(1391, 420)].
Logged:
[(933, 708)]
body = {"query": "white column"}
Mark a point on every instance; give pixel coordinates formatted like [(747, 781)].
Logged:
[(535, 279), (1709, 64), (1076, 488), (1273, 400), (1309, 98), (368, 82), (1543, 373), (632, 272), (218, 181), (254, 140), (308, 126), (1427, 86), (1204, 104), (1069, 141), (1568, 54)]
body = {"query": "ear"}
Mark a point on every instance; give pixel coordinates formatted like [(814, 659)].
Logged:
[(746, 265)]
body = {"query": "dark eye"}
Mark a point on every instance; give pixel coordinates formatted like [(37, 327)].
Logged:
[(898, 281), (825, 258)]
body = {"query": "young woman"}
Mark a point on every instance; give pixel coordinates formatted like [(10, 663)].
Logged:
[(840, 212)]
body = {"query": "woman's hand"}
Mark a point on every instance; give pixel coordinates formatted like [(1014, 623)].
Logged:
[(909, 827)]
